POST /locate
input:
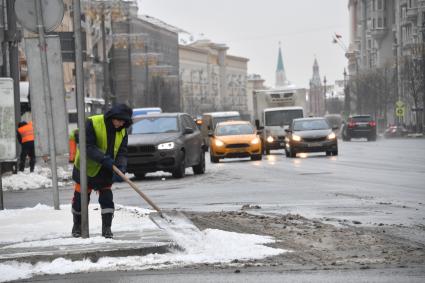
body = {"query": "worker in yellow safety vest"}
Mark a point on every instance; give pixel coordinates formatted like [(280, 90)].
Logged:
[(106, 138)]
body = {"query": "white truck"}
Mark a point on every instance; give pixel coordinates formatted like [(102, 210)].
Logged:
[(274, 111)]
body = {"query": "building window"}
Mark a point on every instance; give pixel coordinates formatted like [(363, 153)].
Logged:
[(380, 6), (373, 5), (373, 23), (379, 22)]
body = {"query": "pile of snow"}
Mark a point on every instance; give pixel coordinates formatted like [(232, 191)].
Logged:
[(40, 178), (52, 227)]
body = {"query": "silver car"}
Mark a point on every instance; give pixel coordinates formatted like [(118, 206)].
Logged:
[(311, 135)]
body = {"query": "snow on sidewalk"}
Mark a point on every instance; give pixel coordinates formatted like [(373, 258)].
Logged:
[(40, 178), (42, 225)]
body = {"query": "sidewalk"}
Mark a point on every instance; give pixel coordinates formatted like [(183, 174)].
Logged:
[(44, 234), (415, 135)]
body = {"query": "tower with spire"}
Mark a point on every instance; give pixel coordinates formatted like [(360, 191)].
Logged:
[(316, 95), (281, 80), (316, 74)]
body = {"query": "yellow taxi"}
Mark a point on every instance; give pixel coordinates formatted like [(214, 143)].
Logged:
[(234, 139)]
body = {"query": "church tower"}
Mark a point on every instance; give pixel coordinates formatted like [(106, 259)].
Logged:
[(316, 96), (281, 80)]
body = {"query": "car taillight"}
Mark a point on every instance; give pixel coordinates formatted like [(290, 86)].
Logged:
[(372, 123), (351, 124)]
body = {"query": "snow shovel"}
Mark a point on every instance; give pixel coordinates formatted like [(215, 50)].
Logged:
[(171, 221)]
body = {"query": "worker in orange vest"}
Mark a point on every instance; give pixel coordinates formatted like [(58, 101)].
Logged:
[(25, 135)]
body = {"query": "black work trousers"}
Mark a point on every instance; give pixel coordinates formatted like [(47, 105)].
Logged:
[(106, 201), (27, 149)]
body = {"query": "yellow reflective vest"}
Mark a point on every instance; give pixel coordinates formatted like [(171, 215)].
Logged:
[(99, 126)]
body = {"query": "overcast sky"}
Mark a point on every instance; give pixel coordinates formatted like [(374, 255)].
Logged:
[(253, 29)]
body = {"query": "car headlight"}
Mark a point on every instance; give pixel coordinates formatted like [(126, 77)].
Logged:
[(167, 145), (331, 136), (270, 139), (296, 138), (219, 143), (255, 141)]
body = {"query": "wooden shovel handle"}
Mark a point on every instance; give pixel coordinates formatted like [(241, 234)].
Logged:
[(133, 185)]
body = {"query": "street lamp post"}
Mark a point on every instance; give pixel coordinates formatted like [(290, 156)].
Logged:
[(346, 95), (324, 92), (105, 64), (423, 75)]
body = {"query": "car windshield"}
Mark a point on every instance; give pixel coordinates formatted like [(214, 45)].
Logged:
[(282, 117), (230, 130), (155, 125), (308, 125)]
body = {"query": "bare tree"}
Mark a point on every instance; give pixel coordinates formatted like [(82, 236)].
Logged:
[(375, 91), (412, 79)]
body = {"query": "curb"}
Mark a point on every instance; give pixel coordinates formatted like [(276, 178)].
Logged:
[(83, 253)]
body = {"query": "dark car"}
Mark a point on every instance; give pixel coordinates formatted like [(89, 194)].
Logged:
[(310, 135), (168, 142), (395, 131), (359, 126)]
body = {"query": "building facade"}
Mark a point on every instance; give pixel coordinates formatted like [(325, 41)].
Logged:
[(383, 34), (212, 80), (139, 64), (145, 63), (254, 82)]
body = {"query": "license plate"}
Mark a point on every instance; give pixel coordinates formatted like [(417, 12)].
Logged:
[(314, 144)]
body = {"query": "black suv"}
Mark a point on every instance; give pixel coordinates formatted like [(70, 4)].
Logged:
[(359, 126), (168, 142)]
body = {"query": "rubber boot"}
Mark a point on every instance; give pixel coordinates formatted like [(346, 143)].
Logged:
[(32, 165), (106, 225), (21, 166), (76, 228)]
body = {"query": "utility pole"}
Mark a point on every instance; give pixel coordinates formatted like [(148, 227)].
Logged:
[(423, 75), (106, 86), (2, 40), (324, 93), (359, 100), (48, 94), (130, 69), (81, 119), (346, 95), (13, 37)]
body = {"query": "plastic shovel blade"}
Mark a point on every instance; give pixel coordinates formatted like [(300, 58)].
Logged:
[(173, 221)]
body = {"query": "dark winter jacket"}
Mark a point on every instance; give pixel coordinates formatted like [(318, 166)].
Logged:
[(104, 177)]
